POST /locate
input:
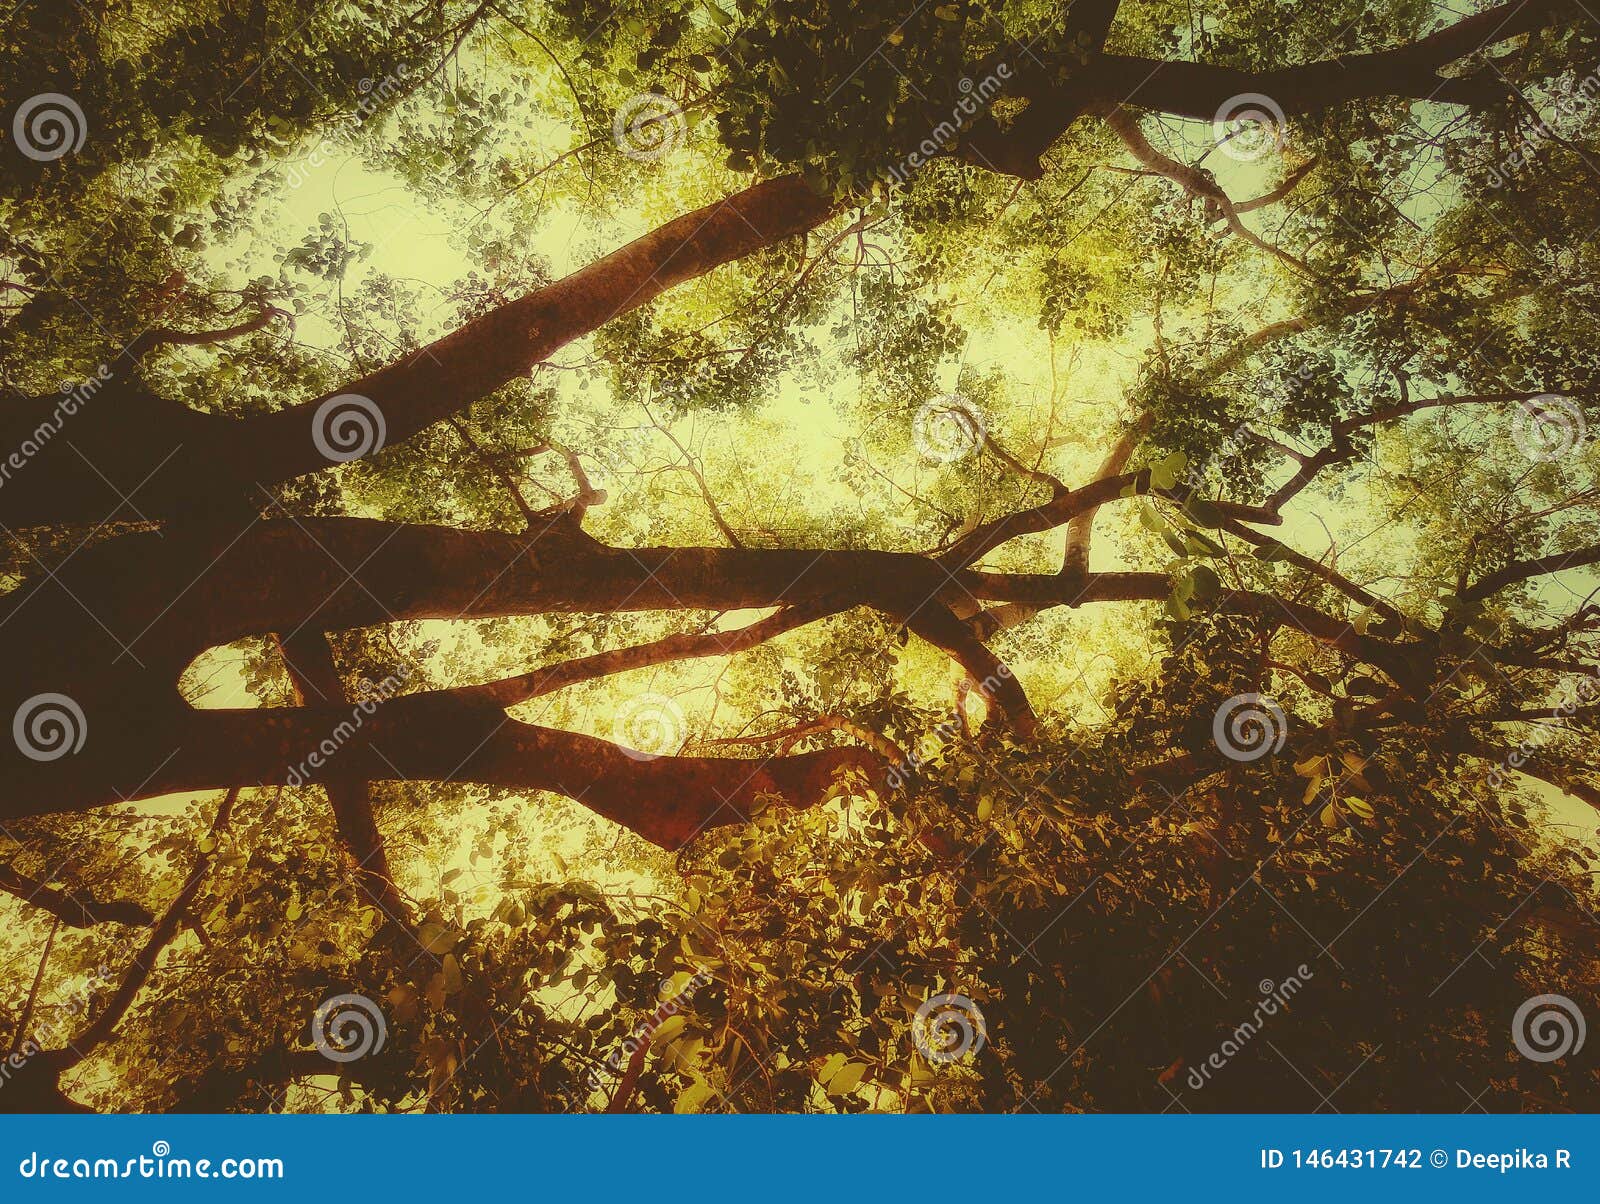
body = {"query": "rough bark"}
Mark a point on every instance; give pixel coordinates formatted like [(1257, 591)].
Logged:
[(123, 451)]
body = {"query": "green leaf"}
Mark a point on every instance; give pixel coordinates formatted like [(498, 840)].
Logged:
[(1165, 474), (831, 1067), (1206, 582), (1203, 513)]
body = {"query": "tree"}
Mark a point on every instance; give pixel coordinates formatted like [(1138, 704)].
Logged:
[(1182, 597)]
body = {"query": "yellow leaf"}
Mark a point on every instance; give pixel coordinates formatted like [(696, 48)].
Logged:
[(848, 1077), (668, 1029), (693, 1097)]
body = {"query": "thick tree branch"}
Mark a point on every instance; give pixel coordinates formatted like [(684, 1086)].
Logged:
[(1522, 570), (1201, 90), (128, 441), (309, 659), (441, 736), (75, 909)]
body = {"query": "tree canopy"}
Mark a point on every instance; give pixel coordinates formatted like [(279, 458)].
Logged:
[(717, 555)]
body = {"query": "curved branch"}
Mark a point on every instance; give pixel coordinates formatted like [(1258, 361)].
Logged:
[(75, 909), (1196, 181), (166, 336), (1521, 570), (510, 691), (1200, 90)]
